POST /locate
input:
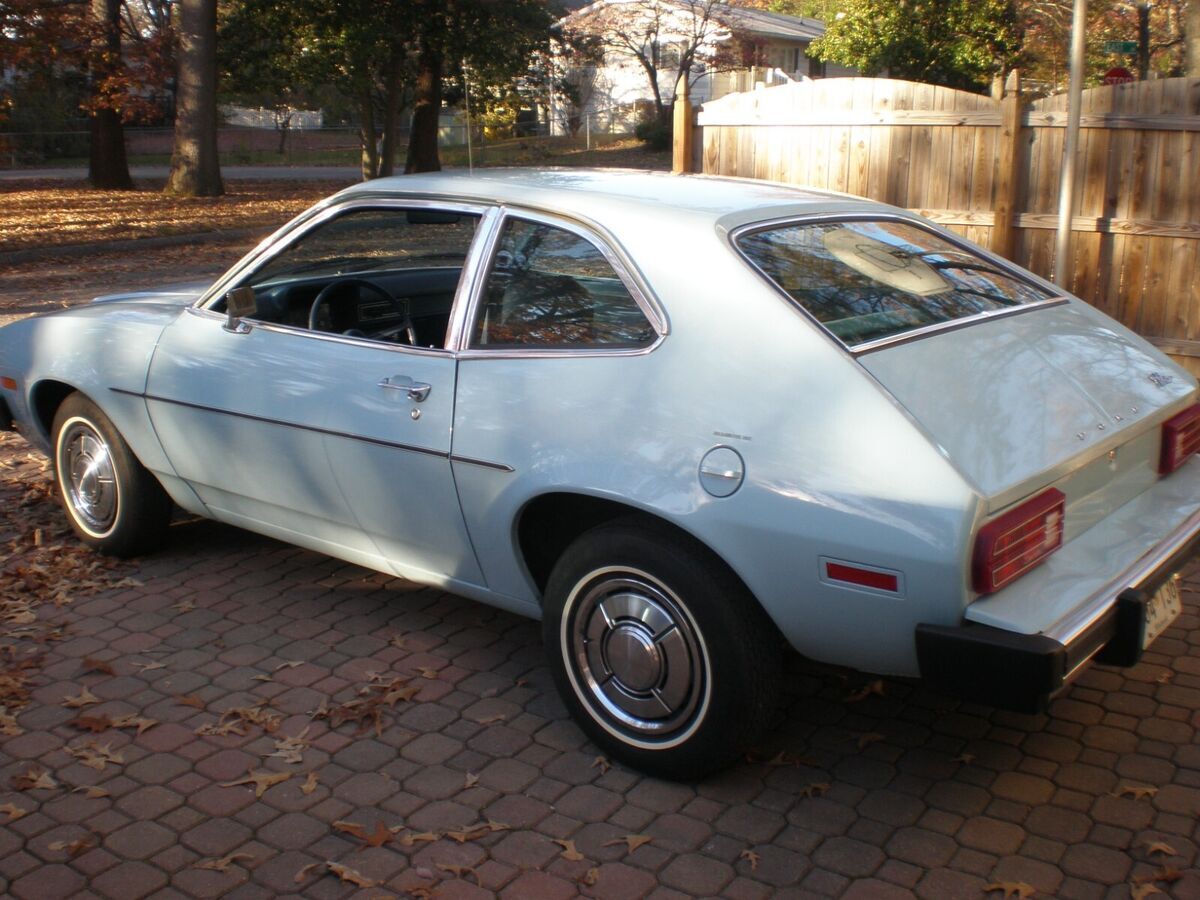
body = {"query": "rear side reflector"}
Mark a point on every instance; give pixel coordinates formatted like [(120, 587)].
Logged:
[(1180, 439), (1009, 546), (880, 581), (10, 383)]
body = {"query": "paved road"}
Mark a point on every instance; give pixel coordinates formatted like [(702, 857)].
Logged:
[(904, 792), (257, 173)]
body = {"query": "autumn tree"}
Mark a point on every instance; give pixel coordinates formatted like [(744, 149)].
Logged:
[(195, 167), (957, 43)]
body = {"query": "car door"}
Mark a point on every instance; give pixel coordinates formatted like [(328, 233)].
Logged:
[(324, 418)]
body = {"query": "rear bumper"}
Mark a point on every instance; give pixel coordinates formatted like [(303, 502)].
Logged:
[(1022, 672)]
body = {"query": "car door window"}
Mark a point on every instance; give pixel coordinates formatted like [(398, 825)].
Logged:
[(552, 288), (377, 274)]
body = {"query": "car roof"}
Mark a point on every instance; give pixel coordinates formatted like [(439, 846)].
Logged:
[(600, 194)]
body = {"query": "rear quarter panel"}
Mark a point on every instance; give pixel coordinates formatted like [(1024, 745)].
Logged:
[(834, 468)]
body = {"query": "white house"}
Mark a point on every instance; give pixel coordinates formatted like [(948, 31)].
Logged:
[(733, 48)]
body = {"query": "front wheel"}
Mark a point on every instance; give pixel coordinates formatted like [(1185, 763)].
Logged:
[(659, 652), (114, 504)]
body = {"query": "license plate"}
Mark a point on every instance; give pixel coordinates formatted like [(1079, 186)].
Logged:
[(1163, 609)]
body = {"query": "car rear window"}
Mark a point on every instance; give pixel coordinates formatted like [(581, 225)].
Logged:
[(868, 281)]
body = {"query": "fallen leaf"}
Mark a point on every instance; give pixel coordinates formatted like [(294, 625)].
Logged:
[(1153, 847), (290, 749), (13, 811), (310, 783), (96, 756), (521, 682), (148, 667), (422, 893), (591, 876), (875, 687), (141, 723), (84, 698), (394, 695), (568, 850), (1137, 791), (602, 764), (221, 864), (261, 781), (1011, 888), (184, 606), (815, 789), (351, 828), (751, 857), (1165, 677), (304, 874), (8, 724), (632, 841), (73, 848), (191, 700), (427, 672), (32, 779), (262, 678), (377, 838), (497, 826), (783, 758), (93, 792), (350, 875), (1143, 890), (463, 835), (461, 871), (493, 720), (97, 665), (94, 724), (290, 664), (871, 737), (420, 837), (398, 641), (965, 758), (471, 780)]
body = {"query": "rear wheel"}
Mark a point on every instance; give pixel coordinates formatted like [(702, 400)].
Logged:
[(114, 504), (659, 652)]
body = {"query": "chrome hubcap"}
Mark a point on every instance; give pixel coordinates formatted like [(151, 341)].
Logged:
[(636, 654), (89, 477)]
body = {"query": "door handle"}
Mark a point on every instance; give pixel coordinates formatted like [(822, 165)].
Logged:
[(416, 390)]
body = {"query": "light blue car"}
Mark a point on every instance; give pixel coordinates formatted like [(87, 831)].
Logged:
[(685, 421)]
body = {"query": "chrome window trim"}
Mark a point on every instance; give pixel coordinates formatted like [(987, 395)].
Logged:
[(1056, 299), (306, 222), (628, 275), (473, 279), (324, 335)]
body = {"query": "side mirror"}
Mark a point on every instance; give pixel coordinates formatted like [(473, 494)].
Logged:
[(239, 302)]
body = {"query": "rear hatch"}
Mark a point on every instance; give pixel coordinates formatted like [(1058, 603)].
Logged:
[(1032, 399)]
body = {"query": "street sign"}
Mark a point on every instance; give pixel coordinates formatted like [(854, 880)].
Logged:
[(1120, 47), (1118, 75)]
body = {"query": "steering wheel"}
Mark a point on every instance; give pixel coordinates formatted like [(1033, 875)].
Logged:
[(405, 327)]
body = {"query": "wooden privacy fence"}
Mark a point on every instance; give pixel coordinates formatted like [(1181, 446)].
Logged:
[(990, 171)]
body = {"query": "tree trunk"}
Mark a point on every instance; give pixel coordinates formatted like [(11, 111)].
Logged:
[(195, 167), (391, 114), (107, 165), (1143, 39), (423, 140), (369, 166), (1191, 40)]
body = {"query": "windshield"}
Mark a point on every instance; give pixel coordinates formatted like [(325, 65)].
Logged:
[(866, 281)]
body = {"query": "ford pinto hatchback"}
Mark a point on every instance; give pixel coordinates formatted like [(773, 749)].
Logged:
[(685, 421)]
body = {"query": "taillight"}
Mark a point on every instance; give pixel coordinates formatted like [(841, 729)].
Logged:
[(1180, 439), (1012, 544)]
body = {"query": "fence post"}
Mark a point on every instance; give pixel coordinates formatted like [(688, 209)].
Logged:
[(681, 129), (1008, 183)]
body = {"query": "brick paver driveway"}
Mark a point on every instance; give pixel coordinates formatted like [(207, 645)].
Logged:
[(457, 773)]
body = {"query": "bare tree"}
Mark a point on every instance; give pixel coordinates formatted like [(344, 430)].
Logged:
[(195, 168), (665, 37)]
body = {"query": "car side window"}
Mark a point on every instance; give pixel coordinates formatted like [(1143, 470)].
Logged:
[(387, 274), (552, 288)]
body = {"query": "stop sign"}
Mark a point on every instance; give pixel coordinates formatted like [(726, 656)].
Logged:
[(1118, 75)]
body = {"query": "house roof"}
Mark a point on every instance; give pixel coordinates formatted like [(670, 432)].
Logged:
[(740, 20)]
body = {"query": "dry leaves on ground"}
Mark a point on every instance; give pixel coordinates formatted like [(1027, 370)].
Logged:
[(260, 780)]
